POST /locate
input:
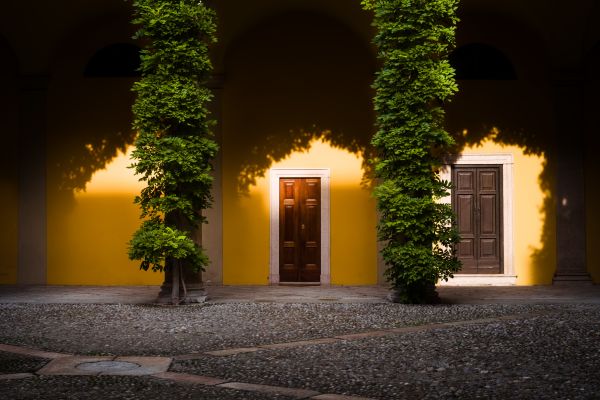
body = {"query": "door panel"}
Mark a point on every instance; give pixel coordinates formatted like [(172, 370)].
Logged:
[(487, 181), (465, 213), (476, 199), (465, 180), (300, 230), (487, 208), (288, 236)]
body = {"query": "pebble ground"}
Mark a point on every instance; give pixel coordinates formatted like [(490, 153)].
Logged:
[(548, 351)]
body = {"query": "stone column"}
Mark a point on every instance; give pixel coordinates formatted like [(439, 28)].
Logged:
[(212, 232), (570, 201), (32, 181)]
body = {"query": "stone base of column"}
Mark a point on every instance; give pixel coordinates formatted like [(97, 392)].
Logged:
[(572, 278), (196, 293)]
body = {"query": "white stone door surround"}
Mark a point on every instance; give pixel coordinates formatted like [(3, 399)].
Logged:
[(274, 175), (506, 162)]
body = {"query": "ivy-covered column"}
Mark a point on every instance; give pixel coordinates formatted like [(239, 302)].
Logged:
[(174, 146), (413, 39)]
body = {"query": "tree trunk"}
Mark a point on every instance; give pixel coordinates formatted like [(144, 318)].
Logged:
[(175, 271)]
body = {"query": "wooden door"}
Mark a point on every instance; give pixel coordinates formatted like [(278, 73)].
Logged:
[(299, 230), (477, 200)]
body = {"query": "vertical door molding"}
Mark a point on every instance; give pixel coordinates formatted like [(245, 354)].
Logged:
[(274, 175), (506, 162)]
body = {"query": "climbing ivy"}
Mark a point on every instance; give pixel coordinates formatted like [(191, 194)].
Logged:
[(413, 40), (174, 146)]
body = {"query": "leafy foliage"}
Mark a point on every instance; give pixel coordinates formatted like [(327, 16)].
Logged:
[(155, 242), (174, 145), (413, 39)]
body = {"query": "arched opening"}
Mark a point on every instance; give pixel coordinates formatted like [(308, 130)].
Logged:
[(296, 94), (478, 61)]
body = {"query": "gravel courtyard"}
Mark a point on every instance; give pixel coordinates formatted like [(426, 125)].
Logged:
[(359, 350)]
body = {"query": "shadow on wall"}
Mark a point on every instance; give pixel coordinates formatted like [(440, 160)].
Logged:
[(297, 79), (9, 103), (91, 114), (511, 112), (294, 78), (592, 143), (89, 129), (275, 148)]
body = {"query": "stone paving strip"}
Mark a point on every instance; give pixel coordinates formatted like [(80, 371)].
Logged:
[(7, 377), (253, 387), (352, 336), (157, 367), (31, 352)]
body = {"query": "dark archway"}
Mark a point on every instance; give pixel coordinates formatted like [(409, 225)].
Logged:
[(481, 61), (119, 60)]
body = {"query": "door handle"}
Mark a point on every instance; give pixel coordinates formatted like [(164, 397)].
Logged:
[(302, 226)]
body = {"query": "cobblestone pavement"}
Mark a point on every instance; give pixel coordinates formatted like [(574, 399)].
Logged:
[(299, 343)]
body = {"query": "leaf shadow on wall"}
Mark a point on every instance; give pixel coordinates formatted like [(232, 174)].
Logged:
[(275, 148), (293, 78), (511, 113), (89, 101), (90, 125)]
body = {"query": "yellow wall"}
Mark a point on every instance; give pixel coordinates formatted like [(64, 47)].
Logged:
[(90, 190), (353, 219), (533, 219), (89, 233), (285, 87)]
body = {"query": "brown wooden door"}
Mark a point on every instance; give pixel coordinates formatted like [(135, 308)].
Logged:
[(477, 200), (299, 229)]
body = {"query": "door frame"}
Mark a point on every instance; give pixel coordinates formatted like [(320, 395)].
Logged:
[(274, 175), (506, 162), (497, 209)]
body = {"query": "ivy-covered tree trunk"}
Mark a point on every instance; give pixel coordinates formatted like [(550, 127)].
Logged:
[(413, 38), (174, 146)]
